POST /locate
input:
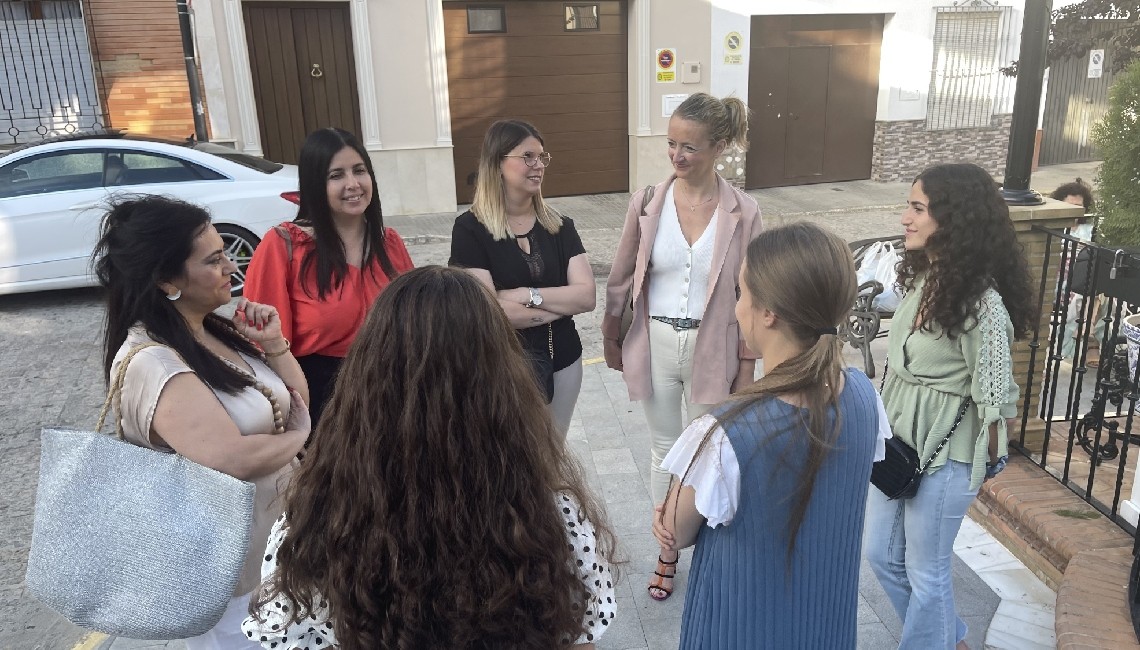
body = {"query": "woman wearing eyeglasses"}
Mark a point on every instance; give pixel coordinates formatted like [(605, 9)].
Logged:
[(531, 256), (678, 261)]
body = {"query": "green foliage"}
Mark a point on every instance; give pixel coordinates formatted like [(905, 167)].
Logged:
[(1118, 137), (1091, 24), (1078, 27)]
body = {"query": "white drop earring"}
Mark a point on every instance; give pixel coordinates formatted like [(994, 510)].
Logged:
[(174, 296)]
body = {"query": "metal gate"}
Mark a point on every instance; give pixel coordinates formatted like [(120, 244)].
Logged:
[(1087, 387), (1084, 388), (1074, 102), (47, 83)]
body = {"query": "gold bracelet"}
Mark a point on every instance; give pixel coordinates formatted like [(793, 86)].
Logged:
[(271, 355)]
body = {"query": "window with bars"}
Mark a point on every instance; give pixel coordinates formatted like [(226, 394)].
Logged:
[(489, 19), (581, 17), (964, 78)]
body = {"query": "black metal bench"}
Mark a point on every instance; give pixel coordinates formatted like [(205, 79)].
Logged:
[(864, 324)]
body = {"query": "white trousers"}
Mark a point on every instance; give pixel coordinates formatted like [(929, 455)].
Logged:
[(671, 374), (227, 634), (567, 387)]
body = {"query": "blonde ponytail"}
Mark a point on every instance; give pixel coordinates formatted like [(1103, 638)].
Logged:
[(737, 122), (725, 119)]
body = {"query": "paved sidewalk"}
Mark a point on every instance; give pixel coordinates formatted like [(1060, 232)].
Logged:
[(50, 360), (609, 436)]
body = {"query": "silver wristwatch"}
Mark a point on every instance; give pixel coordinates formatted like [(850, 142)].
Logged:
[(535, 298)]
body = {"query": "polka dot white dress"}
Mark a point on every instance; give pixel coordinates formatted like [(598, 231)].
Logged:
[(275, 630)]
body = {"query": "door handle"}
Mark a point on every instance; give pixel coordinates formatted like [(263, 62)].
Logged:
[(83, 206), (316, 72)]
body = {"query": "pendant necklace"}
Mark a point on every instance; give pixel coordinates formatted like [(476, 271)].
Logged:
[(693, 206), (527, 233)]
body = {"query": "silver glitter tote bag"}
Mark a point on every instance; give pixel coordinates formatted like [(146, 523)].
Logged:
[(131, 541)]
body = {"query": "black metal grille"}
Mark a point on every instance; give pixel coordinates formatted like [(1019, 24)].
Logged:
[(1086, 385), (1093, 400), (47, 82), (971, 40)]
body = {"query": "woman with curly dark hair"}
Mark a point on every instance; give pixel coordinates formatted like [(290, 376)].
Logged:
[(967, 296), (438, 507)]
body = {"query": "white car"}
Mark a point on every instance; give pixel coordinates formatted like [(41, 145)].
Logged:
[(53, 197)]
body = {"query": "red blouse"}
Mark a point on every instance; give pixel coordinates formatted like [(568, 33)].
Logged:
[(317, 326)]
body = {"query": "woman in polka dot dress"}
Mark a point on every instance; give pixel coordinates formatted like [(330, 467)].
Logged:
[(437, 506)]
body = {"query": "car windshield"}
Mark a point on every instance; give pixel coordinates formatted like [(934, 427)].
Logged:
[(253, 162)]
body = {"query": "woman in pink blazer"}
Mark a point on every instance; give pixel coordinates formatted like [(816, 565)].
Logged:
[(679, 261)]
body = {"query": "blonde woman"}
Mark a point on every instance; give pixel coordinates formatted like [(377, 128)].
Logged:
[(772, 484), (677, 261), (530, 256)]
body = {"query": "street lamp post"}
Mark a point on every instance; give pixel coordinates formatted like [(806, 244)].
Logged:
[(1027, 104), (196, 104)]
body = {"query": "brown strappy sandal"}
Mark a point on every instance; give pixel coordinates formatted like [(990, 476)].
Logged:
[(659, 582)]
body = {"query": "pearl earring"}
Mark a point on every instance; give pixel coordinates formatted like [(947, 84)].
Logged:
[(174, 296)]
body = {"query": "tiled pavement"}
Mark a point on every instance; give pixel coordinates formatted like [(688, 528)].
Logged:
[(608, 435), (49, 346)]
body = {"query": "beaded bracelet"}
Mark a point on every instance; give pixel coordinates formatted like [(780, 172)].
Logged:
[(271, 355)]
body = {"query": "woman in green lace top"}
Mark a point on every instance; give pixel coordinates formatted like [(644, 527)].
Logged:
[(967, 296)]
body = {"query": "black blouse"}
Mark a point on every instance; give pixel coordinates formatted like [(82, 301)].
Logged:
[(473, 247)]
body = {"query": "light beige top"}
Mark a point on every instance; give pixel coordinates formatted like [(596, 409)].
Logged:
[(250, 410)]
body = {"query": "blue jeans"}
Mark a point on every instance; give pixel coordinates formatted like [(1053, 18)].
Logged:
[(909, 544)]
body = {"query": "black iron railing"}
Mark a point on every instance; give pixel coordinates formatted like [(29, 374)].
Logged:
[(1084, 387)]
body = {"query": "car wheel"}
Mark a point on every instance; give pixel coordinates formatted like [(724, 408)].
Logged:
[(239, 245)]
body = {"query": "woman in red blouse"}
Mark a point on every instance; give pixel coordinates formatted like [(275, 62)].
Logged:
[(323, 270)]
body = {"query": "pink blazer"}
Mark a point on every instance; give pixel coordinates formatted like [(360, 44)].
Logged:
[(719, 346)]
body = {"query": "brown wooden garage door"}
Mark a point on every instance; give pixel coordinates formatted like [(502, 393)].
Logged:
[(813, 82), (570, 83)]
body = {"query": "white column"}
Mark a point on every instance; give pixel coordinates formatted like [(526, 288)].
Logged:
[(645, 68), (206, 44), (365, 76), (250, 141), (437, 58)]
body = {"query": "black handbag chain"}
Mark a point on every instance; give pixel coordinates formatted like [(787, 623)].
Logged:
[(957, 420), (954, 427)]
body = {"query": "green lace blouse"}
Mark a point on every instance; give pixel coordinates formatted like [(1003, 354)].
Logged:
[(930, 374)]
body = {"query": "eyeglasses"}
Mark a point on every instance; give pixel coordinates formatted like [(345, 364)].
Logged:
[(530, 159)]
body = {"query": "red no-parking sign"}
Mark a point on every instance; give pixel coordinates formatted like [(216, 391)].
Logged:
[(666, 65)]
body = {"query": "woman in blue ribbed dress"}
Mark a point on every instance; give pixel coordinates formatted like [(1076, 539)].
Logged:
[(773, 483)]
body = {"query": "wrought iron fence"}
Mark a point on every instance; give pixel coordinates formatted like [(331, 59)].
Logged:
[(47, 80), (1084, 386)]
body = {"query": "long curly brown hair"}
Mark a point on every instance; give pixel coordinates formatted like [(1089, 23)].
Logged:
[(973, 248), (424, 513)]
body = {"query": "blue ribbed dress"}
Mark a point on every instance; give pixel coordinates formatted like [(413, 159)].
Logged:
[(741, 593)]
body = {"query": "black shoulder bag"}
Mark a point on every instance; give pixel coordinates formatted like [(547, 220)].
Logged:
[(900, 472)]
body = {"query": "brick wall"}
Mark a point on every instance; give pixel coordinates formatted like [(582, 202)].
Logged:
[(137, 51), (903, 149), (1058, 216)]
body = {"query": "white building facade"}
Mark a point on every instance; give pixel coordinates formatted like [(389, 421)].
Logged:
[(839, 90)]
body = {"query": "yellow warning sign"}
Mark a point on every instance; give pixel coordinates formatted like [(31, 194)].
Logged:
[(733, 49)]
